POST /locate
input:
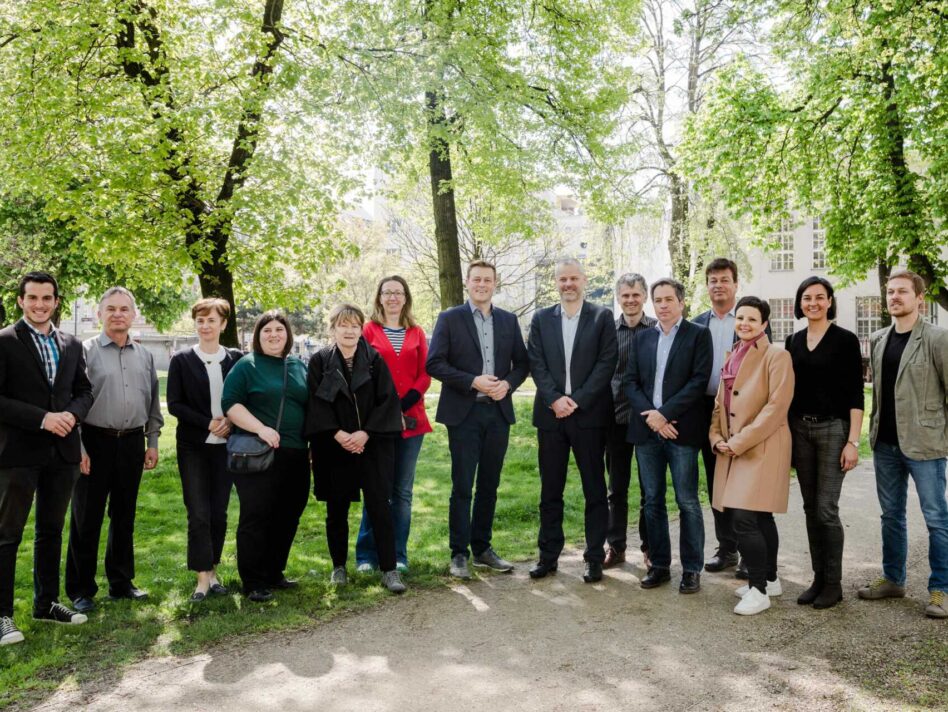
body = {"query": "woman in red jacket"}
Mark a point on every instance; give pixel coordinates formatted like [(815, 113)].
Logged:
[(393, 332)]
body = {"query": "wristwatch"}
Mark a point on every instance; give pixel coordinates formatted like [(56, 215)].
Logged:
[(854, 443)]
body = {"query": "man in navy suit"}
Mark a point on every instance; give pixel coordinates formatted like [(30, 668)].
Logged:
[(44, 395), (478, 354), (573, 351), (666, 378), (721, 280)]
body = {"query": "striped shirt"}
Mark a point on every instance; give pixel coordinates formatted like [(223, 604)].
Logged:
[(396, 337), (624, 334), (48, 350)]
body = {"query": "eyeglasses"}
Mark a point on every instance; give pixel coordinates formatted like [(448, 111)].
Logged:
[(388, 294)]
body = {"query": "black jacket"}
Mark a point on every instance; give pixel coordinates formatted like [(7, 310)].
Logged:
[(26, 397), (189, 393), (686, 378), (595, 352), (454, 358), (363, 400)]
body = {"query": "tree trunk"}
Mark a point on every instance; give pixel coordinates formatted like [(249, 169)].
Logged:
[(442, 200), (884, 269), (217, 280), (678, 245)]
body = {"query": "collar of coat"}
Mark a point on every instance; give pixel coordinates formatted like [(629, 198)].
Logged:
[(334, 379)]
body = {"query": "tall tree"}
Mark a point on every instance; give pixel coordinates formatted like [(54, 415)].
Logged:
[(485, 98), (141, 124), (852, 126)]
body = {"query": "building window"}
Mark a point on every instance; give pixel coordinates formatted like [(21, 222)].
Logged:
[(781, 319), (868, 320), (819, 244), (781, 259), (929, 312)]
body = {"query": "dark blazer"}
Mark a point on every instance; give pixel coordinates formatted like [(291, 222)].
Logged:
[(26, 397), (595, 352), (189, 393), (686, 378), (365, 400), (454, 358)]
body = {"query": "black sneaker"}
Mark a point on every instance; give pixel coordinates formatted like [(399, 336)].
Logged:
[(58, 613), (9, 633)]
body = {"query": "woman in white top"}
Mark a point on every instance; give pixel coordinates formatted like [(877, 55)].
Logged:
[(195, 381)]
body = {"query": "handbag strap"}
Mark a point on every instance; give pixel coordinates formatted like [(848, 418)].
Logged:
[(286, 367)]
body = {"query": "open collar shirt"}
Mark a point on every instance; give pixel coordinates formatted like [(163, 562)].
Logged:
[(662, 350), (48, 349), (722, 338), (570, 326)]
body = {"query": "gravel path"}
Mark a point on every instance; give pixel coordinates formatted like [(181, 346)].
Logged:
[(508, 643)]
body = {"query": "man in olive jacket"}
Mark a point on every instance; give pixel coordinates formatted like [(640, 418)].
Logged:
[(909, 436)]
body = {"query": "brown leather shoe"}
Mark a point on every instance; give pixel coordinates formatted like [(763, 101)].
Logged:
[(613, 558)]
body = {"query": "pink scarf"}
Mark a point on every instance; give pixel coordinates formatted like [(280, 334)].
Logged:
[(732, 366)]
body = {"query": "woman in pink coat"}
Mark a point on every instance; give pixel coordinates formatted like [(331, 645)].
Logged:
[(750, 434)]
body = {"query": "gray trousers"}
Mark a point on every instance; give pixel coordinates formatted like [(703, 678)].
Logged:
[(816, 451)]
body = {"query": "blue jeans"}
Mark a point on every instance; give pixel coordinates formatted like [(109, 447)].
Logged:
[(892, 472), (406, 457), (653, 458)]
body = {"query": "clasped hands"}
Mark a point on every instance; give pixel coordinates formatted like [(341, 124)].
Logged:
[(491, 386), (60, 424), (660, 424), (564, 406), (219, 427), (352, 442)]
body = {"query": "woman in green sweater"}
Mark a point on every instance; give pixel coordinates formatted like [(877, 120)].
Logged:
[(271, 502)]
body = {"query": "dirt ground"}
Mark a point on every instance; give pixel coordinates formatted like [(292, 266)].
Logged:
[(504, 642)]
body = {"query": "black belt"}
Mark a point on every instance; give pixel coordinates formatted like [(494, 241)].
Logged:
[(112, 433), (817, 418), (485, 401)]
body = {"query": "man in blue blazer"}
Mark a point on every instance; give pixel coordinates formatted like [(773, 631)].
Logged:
[(478, 354), (665, 381), (573, 351)]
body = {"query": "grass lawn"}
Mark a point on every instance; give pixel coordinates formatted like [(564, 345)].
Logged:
[(121, 632)]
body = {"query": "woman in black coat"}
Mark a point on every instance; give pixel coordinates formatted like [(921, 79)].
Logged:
[(353, 419), (195, 383)]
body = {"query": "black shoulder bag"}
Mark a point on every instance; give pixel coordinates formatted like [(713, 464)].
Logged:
[(246, 452)]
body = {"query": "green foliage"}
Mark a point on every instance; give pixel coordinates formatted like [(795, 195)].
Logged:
[(30, 241), (851, 126)]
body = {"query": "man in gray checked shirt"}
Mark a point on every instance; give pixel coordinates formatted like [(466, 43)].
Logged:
[(126, 412)]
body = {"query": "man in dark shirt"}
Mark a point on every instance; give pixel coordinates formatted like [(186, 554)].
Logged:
[(909, 437), (44, 394), (631, 294)]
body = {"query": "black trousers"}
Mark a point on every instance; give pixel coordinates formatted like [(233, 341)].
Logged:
[(619, 454), (52, 485), (375, 492), (271, 504), (758, 543), (588, 445), (478, 447), (723, 526), (816, 451), (114, 478), (206, 485)]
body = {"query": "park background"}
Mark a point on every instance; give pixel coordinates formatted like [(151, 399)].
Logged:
[(286, 154)]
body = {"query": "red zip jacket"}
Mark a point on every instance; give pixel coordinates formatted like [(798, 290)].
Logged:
[(408, 369)]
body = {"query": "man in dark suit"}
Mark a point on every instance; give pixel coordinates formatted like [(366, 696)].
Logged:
[(666, 378), (721, 280), (44, 394), (572, 348), (477, 352)]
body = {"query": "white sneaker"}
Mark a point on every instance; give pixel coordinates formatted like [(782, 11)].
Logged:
[(754, 602), (365, 568), (773, 589), (9, 633)]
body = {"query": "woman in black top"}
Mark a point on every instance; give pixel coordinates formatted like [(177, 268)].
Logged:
[(195, 383), (825, 421), (353, 420)]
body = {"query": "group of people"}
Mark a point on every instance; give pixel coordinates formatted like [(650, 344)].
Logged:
[(80, 422)]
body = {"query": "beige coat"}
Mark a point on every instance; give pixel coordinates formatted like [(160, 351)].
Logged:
[(758, 478)]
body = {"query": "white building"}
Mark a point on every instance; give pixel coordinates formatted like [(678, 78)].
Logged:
[(800, 253)]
